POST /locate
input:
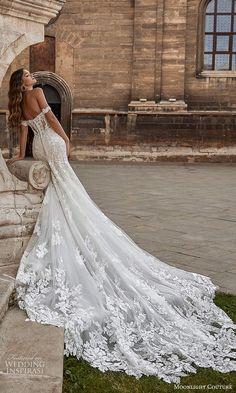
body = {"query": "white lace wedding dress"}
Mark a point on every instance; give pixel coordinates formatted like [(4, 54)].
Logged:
[(121, 308)]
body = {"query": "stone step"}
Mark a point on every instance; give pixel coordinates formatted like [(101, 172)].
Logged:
[(6, 293), (31, 355)]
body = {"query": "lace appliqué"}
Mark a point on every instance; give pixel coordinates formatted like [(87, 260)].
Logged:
[(57, 238), (41, 250)]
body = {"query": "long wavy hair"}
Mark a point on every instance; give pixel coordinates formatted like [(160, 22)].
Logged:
[(15, 95)]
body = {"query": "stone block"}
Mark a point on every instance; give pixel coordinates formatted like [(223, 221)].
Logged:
[(31, 355), (12, 249)]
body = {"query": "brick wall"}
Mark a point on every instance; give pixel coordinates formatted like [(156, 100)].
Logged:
[(112, 52), (180, 130), (101, 34)]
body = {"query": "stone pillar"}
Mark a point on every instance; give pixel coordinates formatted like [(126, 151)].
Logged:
[(20, 202), (143, 78), (21, 24), (173, 55), (159, 49), (159, 52)]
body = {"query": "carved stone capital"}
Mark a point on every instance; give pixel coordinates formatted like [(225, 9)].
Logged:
[(38, 11), (36, 173), (21, 25)]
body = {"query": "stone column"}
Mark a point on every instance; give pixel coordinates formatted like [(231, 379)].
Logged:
[(144, 50), (173, 55), (20, 202), (21, 24), (159, 49)]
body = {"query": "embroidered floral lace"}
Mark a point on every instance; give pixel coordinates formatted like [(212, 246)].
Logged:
[(121, 308)]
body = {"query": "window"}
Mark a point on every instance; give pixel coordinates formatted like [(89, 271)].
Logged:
[(220, 35)]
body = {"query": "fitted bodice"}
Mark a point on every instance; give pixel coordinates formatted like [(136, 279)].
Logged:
[(48, 145), (39, 122)]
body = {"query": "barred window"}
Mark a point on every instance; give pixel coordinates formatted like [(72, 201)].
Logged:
[(220, 35)]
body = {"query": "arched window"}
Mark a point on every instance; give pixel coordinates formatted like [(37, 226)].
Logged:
[(220, 35)]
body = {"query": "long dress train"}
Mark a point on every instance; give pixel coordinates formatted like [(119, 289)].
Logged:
[(121, 308)]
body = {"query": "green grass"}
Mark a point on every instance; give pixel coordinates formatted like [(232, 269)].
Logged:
[(80, 377)]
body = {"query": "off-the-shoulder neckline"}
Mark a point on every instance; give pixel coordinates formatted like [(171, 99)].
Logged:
[(42, 111)]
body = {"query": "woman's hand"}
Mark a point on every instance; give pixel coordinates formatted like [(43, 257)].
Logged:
[(13, 159), (68, 147)]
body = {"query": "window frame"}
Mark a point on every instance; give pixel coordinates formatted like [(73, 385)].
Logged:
[(200, 71)]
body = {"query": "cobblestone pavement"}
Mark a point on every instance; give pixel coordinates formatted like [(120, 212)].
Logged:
[(184, 214)]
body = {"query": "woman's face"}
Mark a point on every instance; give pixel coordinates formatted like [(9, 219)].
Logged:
[(28, 79)]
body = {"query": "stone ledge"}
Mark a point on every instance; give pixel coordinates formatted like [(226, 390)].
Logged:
[(12, 250), (171, 105), (216, 74), (149, 153)]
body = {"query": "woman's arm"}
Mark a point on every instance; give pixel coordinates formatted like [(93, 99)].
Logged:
[(23, 141)]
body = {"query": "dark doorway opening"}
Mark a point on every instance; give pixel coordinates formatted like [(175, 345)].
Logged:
[(54, 101)]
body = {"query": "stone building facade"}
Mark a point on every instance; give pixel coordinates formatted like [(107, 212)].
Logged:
[(100, 58)]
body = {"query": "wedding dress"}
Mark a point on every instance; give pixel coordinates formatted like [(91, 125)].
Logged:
[(122, 309)]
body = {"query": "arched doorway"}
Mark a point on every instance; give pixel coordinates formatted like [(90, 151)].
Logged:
[(58, 96), (49, 79), (54, 100)]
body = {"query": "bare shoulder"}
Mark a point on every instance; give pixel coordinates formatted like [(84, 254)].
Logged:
[(40, 97), (38, 91)]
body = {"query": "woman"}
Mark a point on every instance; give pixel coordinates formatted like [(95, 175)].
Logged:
[(24, 100), (121, 308)]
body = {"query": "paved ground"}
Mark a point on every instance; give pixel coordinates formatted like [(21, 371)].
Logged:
[(184, 214)]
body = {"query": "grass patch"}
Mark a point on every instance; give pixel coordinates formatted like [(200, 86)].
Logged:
[(80, 377)]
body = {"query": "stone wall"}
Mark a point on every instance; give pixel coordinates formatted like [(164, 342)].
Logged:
[(122, 51), (198, 136), (191, 129), (112, 53), (20, 202), (18, 214), (132, 49), (102, 42)]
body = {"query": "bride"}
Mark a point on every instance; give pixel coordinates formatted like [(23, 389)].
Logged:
[(122, 309)]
